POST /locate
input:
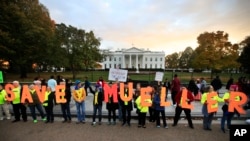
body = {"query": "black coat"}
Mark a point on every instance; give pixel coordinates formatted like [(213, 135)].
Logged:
[(130, 104), (111, 105), (100, 98)]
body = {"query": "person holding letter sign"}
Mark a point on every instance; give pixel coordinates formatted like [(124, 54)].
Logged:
[(183, 100), (16, 103), (210, 101), (126, 106), (79, 96)]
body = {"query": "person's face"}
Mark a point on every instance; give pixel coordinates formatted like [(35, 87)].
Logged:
[(32, 87), (15, 85)]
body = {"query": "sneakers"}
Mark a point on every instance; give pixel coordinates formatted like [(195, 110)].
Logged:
[(93, 123), (35, 121), (8, 118), (166, 127), (44, 119), (158, 126)]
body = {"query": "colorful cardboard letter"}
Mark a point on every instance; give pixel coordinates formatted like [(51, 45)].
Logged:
[(60, 95), (26, 95), (163, 97), (10, 95), (233, 104), (110, 91), (130, 92), (184, 103), (211, 101)]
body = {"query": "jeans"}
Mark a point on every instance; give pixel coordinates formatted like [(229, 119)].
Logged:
[(226, 116), (33, 110), (80, 108), (207, 120), (99, 108)]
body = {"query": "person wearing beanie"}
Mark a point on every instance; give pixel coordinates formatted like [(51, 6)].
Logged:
[(97, 104), (79, 96)]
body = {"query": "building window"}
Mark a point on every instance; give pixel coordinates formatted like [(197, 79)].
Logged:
[(114, 58), (160, 65), (120, 59), (105, 66), (109, 65), (110, 58), (146, 59), (145, 66), (155, 65), (161, 59), (114, 65), (150, 66), (151, 59), (119, 66), (156, 59)]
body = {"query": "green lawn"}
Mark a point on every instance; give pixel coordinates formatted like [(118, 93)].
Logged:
[(94, 75)]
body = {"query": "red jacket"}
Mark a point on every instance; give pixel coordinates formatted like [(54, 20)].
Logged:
[(179, 95)]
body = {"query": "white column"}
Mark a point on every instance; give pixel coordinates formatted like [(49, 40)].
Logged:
[(136, 62), (123, 61), (130, 61), (143, 59)]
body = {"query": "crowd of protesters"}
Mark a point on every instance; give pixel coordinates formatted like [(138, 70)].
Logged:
[(196, 88)]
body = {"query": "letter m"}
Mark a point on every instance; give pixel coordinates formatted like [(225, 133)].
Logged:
[(110, 91)]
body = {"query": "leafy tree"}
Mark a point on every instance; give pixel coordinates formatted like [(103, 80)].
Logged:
[(172, 60), (25, 33), (184, 61), (81, 47), (244, 57), (215, 52)]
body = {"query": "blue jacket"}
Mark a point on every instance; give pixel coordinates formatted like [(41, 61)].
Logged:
[(157, 102)]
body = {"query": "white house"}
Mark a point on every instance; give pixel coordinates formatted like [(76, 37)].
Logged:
[(134, 58)]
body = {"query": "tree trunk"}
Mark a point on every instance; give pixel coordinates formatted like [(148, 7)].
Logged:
[(23, 71)]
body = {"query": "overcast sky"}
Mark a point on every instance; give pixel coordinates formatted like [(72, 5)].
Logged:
[(157, 25)]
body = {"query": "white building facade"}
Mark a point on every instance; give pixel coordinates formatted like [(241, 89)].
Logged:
[(134, 58)]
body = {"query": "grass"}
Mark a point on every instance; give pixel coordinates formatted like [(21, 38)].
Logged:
[(94, 75)]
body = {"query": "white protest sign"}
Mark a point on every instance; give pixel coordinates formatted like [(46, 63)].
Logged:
[(159, 76), (118, 74)]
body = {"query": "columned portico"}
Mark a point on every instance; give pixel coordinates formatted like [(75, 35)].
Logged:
[(135, 58)]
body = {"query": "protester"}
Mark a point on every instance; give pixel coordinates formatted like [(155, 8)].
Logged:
[(79, 96), (97, 104), (126, 106), (87, 85), (142, 111), (208, 117), (48, 105), (158, 108), (167, 85), (16, 103), (227, 116), (111, 106), (4, 105), (216, 83), (175, 88), (36, 104), (179, 108), (65, 107)]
